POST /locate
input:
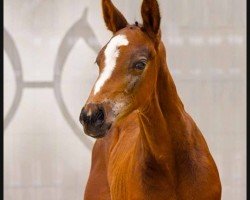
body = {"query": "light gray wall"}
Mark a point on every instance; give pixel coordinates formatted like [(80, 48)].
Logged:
[(50, 49)]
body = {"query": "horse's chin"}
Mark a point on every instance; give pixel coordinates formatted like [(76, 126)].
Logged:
[(99, 133)]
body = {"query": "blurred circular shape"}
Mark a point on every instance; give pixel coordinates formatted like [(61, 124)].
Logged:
[(81, 29), (15, 61), (9, 85), (77, 79)]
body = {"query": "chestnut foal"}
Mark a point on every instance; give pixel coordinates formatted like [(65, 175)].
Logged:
[(148, 147)]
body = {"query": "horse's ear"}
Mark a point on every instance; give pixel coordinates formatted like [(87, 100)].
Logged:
[(151, 18), (112, 16)]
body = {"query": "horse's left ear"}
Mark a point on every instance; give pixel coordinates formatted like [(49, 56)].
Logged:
[(151, 19), (112, 16)]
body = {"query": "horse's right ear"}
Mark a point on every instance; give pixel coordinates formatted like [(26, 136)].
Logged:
[(151, 18), (112, 16)]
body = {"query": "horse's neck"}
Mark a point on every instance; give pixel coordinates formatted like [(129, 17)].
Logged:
[(162, 117), (169, 100), (153, 127)]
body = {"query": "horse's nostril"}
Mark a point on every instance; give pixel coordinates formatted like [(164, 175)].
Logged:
[(100, 116), (95, 119), (83, 117)]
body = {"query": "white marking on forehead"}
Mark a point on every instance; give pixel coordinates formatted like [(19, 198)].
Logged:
[(111, 54)]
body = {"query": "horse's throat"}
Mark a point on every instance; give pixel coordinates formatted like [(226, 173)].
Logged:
[(153, 128), (160, 118)]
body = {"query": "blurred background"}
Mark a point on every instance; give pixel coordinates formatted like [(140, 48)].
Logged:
[(49, 51)]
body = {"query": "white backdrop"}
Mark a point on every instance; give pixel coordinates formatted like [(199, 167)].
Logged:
[(50, 48)]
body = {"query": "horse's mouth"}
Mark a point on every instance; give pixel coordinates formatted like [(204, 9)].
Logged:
[(98, 132)]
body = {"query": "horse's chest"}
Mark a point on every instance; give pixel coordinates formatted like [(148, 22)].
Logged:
[(125, 183), (137, 180)]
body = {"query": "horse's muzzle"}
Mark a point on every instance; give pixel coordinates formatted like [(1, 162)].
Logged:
[(93, 119)]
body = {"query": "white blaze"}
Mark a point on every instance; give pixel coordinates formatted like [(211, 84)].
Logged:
[(111, 54)]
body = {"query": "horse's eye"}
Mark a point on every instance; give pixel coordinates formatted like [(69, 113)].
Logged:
[(140, 65)]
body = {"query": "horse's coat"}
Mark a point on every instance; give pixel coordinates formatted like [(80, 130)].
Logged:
[(149, 148)]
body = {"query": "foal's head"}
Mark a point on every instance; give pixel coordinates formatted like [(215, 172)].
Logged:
[(128, 67)]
